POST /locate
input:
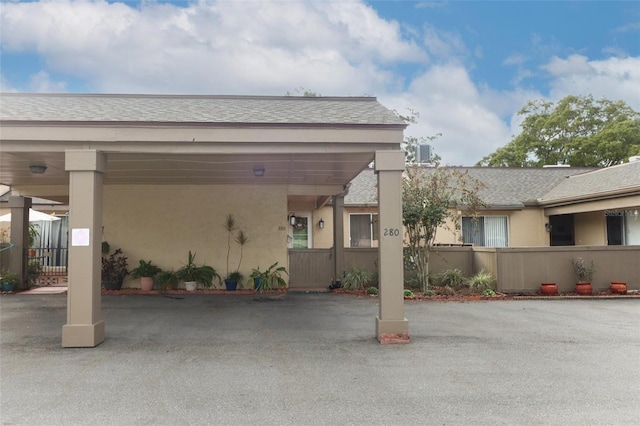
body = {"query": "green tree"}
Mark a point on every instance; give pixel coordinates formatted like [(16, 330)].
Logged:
[(578, 131), (431, 197)]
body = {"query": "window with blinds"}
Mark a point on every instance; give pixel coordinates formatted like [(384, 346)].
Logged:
[(363, 230), (485, 231)]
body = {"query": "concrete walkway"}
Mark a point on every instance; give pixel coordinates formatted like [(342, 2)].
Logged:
[(312, 359)]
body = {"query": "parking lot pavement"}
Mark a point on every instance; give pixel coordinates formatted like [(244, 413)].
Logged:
[(312, 359)]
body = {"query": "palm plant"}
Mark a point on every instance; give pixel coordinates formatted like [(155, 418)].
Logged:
[(241, 239), (203, 274)]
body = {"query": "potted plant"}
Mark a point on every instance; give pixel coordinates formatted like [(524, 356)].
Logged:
[(167, 280), (271, 278), (584, 272), (232, 279), (114, 268), (145, 271), (8, 279), (33, 234), (34, 269), (192, 274), (256, 278), (618, 287)]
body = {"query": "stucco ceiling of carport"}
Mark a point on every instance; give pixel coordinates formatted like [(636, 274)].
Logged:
[(217, 169)]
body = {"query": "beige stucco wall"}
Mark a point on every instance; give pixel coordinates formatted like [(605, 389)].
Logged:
[(590, 229), (527, 228), (162, 223), (323, 238)]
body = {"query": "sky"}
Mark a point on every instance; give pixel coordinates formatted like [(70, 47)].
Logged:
[(466, 68)]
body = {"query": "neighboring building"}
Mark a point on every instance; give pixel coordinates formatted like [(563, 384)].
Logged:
[(525, 207)]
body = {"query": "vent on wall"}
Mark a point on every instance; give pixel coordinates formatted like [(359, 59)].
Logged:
[(423, 153)]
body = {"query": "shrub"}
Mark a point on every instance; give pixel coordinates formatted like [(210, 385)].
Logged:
[(408, 294), (372, 290), (356, 279), (451, 277), (482, 281)]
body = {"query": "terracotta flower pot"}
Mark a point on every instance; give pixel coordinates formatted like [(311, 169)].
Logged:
[(618, 287), (549, 289), (584, 289), (146, 283)]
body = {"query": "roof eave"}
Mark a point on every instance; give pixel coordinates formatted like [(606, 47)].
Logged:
[(603, 195)]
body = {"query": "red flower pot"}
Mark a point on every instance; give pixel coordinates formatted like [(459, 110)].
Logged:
[(618, 287), (584, 289), (549, 289)]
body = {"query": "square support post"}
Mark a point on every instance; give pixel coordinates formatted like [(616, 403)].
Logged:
[(19, 238), (338, 237), (85, 327), (391, 324)]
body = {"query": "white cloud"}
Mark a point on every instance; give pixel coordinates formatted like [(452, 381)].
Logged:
[(219, 47), (41, 82), (613, 78), (450, 103), (5, 85), (334, 48)]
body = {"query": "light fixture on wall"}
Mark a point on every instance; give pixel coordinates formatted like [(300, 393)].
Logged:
[(258, 171), (321, 224), (635, 214), (292, 219), (37, 169), (547, 227)]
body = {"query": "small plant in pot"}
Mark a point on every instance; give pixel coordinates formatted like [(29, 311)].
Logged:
[(34, 232), (114, 268), (584, 272), (145, 271), (233, 278), (270, 279), (192, 274), (8, 280), (34, 269), (167, 280)]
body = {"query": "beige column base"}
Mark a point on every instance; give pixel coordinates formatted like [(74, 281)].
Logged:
[(392, 331), (82, 335)]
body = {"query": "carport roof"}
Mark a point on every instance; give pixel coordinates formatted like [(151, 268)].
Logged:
[(195, 109)]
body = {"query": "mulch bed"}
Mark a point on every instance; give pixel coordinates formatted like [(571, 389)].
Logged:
[(128, 291)]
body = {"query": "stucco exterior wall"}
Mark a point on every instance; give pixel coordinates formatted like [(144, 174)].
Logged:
[(590, 229), (323, 238), (162, 223)]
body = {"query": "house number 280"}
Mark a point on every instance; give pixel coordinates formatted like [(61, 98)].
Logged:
[(391, 232)]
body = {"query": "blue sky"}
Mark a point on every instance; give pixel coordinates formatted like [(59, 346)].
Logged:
[(466, 67)]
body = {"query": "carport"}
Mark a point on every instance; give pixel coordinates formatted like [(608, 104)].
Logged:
[(102, 154)]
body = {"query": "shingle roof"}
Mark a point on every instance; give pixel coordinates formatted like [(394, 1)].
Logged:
[(504, 187), (195, 109), (598, 182), (363, 190)]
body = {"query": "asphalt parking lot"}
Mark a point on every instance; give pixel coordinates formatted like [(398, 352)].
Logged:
[(312, 359)]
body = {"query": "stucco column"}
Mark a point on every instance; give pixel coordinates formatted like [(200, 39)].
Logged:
[(85, 327), (338, 236), (19, 238), (391, 324)]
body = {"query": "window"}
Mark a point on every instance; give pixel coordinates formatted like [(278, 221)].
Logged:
[(623, 227), (486, 231), (301, 233), (363, 230)]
